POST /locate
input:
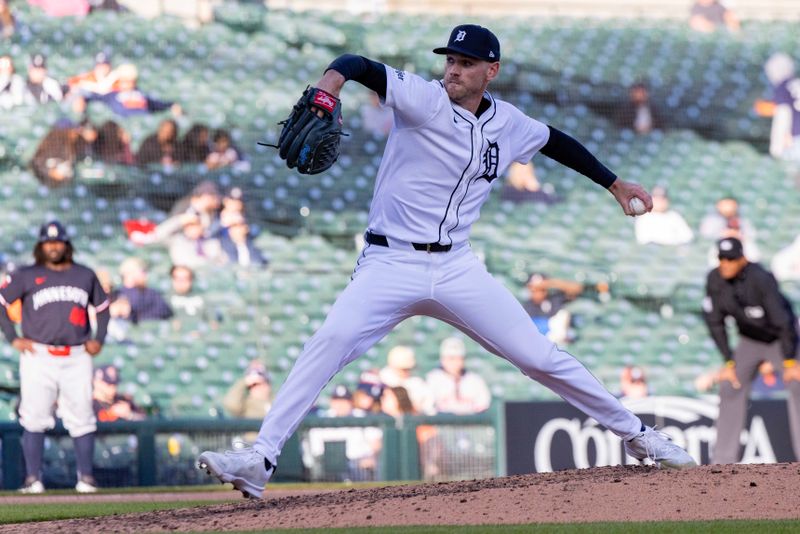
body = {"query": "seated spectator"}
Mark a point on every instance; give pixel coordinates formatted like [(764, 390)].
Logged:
[(222, 153), (784, 108), (191, 248), (367, 395), (119, 325), (238, 245), (200, 206), (638, 113), (250, 397), (361, 444), (367, 398), (97, 80), (376, 118), (662, 226), (546, 305), (7, 21), (39, 87), (633, 383), (193, 147), (109, 404), (786, 262), (182, 300), (204, 202), (62, 147), (232, 207), (161, 147), (146, 303), (521, 185), (105, 5), (12, 85), (396, 402), (113, 144), (128, 100), (455, 389), (727, 222), (398, 372), (708, 16), (341, 404)]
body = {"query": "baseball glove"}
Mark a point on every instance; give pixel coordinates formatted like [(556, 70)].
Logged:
[(312, 132)]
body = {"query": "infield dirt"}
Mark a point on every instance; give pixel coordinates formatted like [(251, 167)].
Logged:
[(628, 493)]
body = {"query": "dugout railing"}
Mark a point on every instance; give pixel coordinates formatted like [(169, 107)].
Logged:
[(159, 452)]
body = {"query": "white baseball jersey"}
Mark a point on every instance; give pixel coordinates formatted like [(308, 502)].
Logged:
[(440, 160)]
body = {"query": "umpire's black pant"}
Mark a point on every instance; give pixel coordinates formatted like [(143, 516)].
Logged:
[(733, 402)]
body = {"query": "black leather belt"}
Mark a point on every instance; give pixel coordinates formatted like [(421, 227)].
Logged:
[(381, 241)]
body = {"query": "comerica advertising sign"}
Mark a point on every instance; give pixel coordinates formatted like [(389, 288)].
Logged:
[(548, 436)]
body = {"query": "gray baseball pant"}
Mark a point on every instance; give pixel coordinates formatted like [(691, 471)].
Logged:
[(733, 402)]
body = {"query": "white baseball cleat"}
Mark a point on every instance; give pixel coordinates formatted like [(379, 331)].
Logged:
[(245, 468), (658, 446), (32, 485), (86, 484)]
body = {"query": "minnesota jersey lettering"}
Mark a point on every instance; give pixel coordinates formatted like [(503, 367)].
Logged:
[(60, 294)]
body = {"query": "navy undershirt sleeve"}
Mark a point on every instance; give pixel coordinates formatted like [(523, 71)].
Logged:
[(570, 153), (7, 326), (368, 73), (102, 325)]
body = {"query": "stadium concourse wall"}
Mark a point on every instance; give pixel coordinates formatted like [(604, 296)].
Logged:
[(163, 452), (511, 438)]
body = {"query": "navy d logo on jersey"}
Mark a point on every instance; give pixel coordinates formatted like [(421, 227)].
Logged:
[(490, 159)]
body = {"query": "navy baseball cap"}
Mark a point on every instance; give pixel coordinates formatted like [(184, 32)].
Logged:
[(730, 248), (341, 392), (53, 231), (108, 374), (473, 41)]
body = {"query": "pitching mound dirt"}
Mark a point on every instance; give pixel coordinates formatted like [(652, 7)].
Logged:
[(600, 494)]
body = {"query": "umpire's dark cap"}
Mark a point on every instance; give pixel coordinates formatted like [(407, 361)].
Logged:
[(730, 248), (53, 231), (473, 41)]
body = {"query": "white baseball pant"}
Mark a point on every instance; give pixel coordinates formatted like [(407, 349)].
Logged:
[(392, 284), (49, 381)]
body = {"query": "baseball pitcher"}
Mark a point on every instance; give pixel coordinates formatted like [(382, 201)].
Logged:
[(451, 138)]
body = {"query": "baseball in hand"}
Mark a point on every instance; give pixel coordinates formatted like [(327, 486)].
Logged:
[(637, 206)]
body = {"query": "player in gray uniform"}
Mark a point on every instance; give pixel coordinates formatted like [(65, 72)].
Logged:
[(56, 350), (450, 140)]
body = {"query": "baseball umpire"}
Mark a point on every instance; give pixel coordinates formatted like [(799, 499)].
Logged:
[(56, 349), (451, 138), (768, 332)]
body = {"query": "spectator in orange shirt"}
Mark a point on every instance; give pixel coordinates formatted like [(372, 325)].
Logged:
[(109, 405), (7, 22), (97, 80)]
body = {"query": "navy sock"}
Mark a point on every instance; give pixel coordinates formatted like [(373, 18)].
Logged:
[(84, 453), (33, 450)]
